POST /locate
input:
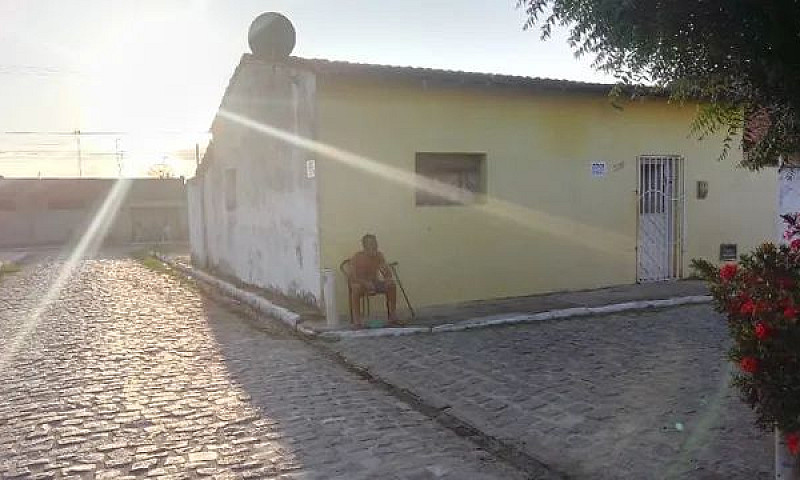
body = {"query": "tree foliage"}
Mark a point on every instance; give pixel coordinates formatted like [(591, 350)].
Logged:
[(742, 57), (760, 298)]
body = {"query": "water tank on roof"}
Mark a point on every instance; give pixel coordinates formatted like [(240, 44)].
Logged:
[(271, 36)]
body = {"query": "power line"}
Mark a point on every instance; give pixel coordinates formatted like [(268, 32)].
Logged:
[(100, 133), (54, 152), (182, 156), (26, 152), (36, 70)]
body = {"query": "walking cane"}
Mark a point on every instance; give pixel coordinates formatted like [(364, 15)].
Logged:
[(394, 272)]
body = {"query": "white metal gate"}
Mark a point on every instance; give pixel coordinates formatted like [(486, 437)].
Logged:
[(660, 218)]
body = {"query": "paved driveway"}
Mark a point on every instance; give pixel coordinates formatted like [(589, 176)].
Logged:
[(131, 374), (635, 396)]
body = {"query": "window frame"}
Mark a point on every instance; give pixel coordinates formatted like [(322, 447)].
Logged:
[(448, 164)]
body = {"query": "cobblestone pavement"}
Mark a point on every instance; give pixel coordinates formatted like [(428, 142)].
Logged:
[(131, 374), (634, 396)]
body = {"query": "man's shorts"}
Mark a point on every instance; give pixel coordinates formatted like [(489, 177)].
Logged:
[(381, 286)]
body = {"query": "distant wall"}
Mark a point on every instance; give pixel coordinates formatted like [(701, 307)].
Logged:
[(55, 211), (258, 205)]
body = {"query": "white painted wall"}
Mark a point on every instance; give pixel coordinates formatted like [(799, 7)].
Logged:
[(788, 197), (195, 212), (270, 238)]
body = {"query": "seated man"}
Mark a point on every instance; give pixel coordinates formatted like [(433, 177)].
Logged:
[(364, 268)]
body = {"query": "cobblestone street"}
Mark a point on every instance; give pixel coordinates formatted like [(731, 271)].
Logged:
[(131, 374), (635, 396)]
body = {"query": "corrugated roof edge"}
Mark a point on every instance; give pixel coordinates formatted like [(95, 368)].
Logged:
[(450, 77), (454, 77), (322, 66)]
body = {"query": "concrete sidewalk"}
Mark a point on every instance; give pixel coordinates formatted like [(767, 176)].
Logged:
[(529, 309), (441, 314), (469, 315)]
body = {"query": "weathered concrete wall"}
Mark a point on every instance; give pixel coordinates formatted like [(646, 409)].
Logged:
[(58, 211), (30, 227), (157, 210), (260, 205), (194, 194)]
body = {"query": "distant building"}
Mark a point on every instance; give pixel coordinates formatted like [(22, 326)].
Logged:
[(55, 211), (550, 186)]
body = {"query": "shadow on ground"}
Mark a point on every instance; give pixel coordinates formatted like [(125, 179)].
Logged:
[(334, 423)]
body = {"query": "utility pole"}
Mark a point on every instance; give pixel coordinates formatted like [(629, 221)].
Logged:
[(80, 160), (119, 157), (197, 154)]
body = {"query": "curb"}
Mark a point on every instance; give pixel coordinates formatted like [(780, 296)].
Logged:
[(293, 319), (256, 301), (439, 411), (20, 257), (516, 319), (15, 258), (571, 313), (374, 332)]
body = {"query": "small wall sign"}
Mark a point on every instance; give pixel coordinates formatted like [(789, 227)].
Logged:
[(598, 169), (727, 252), (311, 168), (702, 189)]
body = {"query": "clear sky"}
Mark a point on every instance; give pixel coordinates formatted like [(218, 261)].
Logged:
[(153, 66)]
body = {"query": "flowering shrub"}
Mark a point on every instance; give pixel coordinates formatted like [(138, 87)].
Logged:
[(760, 298)]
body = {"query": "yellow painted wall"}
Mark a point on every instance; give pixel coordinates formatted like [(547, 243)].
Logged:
[(547, 224)]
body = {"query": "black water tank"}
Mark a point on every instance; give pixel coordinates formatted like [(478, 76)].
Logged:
[(271, 36)]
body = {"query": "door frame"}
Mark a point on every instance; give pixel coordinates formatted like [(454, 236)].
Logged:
[(676, 198)]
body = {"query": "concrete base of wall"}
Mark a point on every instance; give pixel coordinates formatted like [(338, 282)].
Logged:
[(259, 303)]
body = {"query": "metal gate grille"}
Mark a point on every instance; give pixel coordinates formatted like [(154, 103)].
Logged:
[(660, 218)]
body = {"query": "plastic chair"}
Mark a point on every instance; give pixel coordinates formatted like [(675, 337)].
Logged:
[(365, 310)]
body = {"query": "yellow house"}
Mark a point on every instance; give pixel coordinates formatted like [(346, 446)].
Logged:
[(479, 186)]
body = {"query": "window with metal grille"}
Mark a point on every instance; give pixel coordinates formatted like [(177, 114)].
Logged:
[(652, 181), (449, 178)]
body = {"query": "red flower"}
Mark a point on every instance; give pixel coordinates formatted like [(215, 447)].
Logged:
[(795, 244), (762, 306), (762, 331), (793, 442), (728, 271), (748, 307), (790, 312), (786, 283), (753, 279), (743, 297), (749, 364)]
